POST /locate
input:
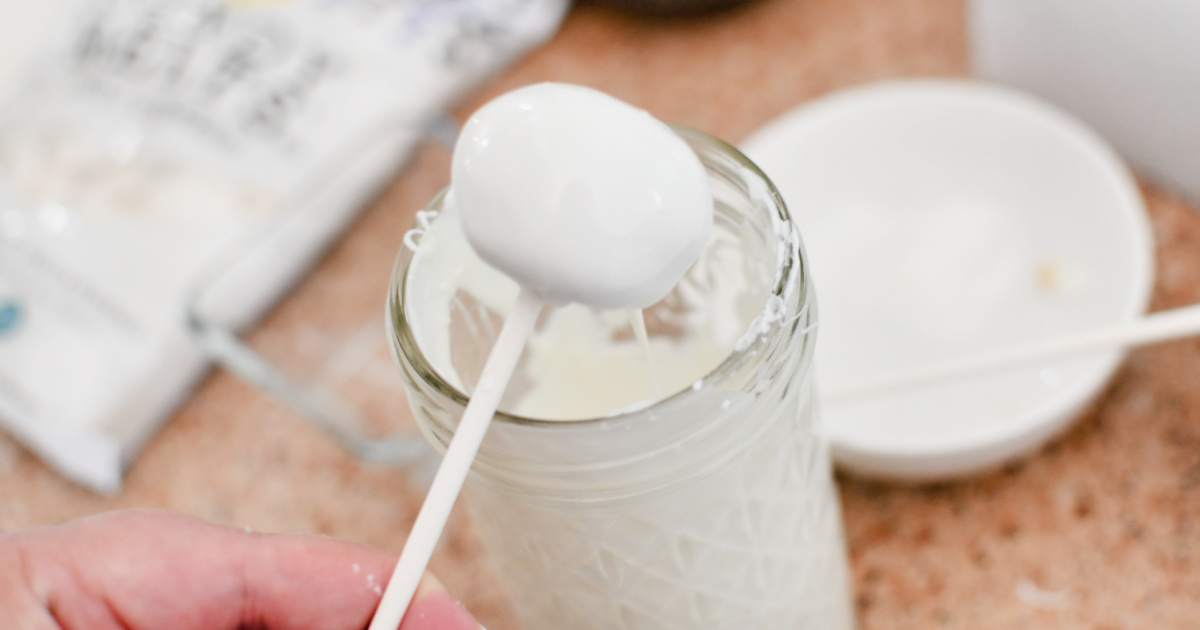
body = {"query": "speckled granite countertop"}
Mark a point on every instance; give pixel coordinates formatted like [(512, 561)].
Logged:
[(1097, 531)]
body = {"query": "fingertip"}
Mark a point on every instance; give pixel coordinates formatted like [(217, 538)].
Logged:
[(429, 585), (433, 608)]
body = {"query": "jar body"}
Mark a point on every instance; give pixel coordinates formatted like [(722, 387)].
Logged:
[(714, 507), (755, 544)]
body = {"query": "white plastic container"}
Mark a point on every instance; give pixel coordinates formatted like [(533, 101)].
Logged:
[(1130, 68)]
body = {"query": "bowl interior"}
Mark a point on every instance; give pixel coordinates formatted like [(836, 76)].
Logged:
[(945, 219)]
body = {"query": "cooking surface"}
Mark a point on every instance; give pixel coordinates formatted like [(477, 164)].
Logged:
[(1096, 531)]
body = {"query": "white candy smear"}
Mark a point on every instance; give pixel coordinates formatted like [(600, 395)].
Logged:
[(580, 197)]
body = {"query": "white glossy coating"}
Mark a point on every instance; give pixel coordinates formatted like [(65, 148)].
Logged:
[(580, 197)]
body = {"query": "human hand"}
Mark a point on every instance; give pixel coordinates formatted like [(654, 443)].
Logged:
[(156, 570)]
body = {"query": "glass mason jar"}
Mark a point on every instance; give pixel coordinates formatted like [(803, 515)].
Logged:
[(713, 507)]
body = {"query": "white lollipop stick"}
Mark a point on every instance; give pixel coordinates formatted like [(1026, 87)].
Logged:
[(1153, 328), (457, 463), (640, 211)]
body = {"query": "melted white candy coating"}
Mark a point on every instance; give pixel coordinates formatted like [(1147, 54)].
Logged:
[(580, 197)]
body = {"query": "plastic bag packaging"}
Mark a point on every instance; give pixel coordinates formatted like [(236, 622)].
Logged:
[(158, 140)]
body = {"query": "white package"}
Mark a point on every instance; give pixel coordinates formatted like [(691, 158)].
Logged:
[(160, 140)]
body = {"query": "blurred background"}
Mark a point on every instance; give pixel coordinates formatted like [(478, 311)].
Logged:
[(1097, 530)]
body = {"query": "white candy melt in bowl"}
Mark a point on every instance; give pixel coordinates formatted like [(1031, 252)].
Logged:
[(948, 219)]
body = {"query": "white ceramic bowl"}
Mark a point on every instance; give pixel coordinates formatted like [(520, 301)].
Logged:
[(944, 219)]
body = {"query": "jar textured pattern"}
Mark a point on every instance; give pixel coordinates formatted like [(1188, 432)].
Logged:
[(714, 507), (757, 544)]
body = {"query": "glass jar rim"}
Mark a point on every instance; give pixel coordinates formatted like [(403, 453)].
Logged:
[(790, 269)]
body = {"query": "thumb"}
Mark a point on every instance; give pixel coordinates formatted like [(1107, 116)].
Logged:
[(433, 608)]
